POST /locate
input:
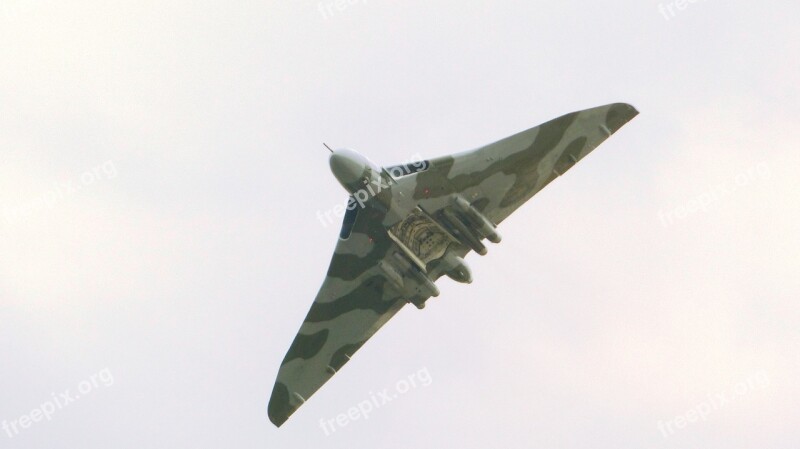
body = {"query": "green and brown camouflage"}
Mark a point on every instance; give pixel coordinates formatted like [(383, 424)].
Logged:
[(415, 228)]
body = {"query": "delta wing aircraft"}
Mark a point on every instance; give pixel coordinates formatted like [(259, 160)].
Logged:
[(406, 226)]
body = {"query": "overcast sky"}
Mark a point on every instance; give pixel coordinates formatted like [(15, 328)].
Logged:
[(162, 169)]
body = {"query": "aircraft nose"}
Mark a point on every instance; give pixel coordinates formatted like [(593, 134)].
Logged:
[(347, 166)]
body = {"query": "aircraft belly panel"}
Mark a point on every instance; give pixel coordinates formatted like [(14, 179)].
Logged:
[(420, 237)]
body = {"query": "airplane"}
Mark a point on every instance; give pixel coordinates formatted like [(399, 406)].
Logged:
[(406, 226)]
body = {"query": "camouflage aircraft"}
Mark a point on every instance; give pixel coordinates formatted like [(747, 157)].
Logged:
[(406, 226)]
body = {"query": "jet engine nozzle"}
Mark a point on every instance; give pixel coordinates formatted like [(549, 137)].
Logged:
[(457, 269)]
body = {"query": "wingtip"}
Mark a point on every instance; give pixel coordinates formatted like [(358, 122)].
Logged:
[(617, 115), (632, 109), (280, 408), (277, 421), (278, 413)]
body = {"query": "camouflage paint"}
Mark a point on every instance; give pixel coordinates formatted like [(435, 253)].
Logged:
[(359, 295)]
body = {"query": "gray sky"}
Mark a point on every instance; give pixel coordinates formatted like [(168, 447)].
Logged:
[(162, 169)]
